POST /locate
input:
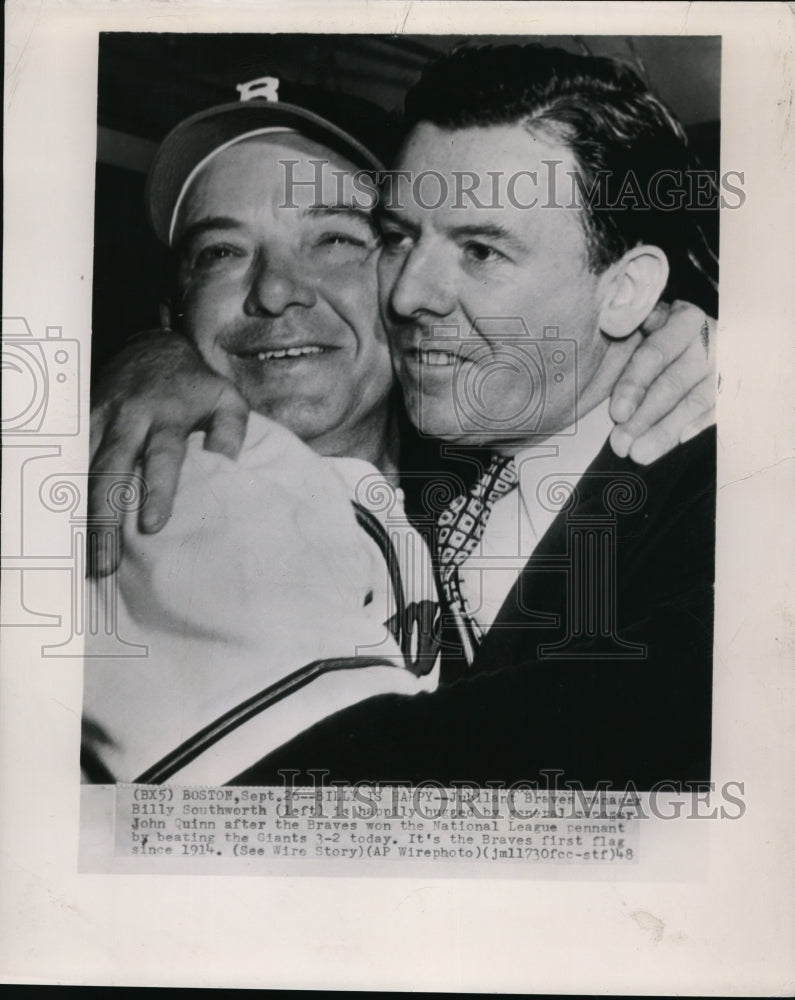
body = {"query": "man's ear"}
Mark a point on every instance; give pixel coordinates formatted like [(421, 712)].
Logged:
[(631, 288)]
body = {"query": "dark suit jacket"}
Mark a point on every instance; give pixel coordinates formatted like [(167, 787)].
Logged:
[(599, 664)]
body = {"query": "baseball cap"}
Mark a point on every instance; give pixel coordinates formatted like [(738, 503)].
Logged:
[(189, 146)]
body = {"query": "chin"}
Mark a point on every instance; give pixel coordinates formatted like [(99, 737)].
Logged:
[(305, 423), (438, 417), (442, 425)]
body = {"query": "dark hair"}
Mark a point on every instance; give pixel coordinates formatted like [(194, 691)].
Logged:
[(601, 110)]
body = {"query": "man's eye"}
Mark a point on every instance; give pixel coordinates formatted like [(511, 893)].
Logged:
[(340, 239), (393, 240), (210, 255), (482, 253)]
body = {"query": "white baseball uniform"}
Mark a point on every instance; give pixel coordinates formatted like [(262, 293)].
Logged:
[(286, 586)]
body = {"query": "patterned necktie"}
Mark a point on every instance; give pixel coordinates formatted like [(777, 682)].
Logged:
[(459, 529)]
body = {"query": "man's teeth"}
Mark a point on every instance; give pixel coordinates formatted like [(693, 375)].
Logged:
[(441, 359), (288, 352)]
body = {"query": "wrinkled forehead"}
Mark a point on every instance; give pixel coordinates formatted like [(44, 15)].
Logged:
[(281, 172)]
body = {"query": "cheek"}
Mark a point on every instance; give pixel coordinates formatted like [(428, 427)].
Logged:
[(352, 295), (388, 271), (206, 311), (204, 301), (549, 297)]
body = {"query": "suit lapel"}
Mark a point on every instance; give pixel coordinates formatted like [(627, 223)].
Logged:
[(532, 612)]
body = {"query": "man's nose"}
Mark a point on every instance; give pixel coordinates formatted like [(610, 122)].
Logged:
[(276, 284), (422, 285)]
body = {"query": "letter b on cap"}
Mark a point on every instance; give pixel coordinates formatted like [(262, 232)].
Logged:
[(266, 87)]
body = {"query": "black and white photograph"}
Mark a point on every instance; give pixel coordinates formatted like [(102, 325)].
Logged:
[(396, 538), (406, 347)]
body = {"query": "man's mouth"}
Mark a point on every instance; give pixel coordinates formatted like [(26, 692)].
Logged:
[(289, 352), (434, 358), (282, 353)]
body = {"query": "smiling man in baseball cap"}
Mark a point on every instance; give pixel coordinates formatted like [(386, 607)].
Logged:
[(276, 284), (273, 581)]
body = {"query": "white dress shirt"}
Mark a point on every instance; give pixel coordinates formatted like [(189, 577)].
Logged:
[(520, 520)]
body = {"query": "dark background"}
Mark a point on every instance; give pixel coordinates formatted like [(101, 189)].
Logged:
[(150, 82)]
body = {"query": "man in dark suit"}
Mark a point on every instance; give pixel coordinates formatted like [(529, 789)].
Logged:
[(578, 585)]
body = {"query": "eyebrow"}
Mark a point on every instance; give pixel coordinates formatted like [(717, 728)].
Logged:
[(221, 222), (349, 211), (489, 230), (210, 224), (484, 230)]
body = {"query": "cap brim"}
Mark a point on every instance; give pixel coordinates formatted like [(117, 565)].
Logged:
[(198, 136)]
